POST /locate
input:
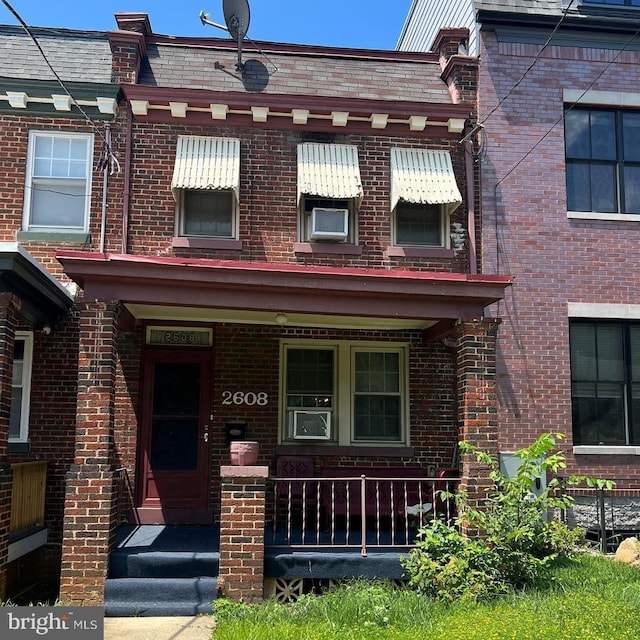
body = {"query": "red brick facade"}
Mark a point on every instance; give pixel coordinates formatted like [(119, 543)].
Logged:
[(90, 396), (556, 260)]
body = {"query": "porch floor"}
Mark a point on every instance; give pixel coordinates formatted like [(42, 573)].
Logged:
[(162, 570)]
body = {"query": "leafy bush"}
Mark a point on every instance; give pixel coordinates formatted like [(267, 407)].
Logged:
[(516, 544)]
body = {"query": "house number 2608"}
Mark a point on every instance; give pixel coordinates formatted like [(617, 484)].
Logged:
[(245, 397)]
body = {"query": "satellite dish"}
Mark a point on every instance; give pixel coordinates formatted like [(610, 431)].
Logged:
[(236, 16)]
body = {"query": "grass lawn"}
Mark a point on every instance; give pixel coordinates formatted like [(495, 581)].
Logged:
[(591, 598)]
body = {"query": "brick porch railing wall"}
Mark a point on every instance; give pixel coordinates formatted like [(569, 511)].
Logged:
[(8, 311), (89, 518), (477, 403), (242, 521)]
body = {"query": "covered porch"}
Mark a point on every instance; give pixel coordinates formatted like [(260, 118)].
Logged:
[(242, 327)]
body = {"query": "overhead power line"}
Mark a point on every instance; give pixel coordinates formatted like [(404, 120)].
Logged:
[(113, 162)]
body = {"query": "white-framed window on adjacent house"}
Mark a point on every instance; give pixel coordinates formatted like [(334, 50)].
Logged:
[(602, 149), (345, 393), (206, 187), (21, 387), (58, 182)]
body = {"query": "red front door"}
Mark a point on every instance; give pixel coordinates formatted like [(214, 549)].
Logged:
[(173, 475)]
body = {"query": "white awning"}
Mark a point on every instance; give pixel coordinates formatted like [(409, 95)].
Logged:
[(207, 163), (423, 176), (329, 171)]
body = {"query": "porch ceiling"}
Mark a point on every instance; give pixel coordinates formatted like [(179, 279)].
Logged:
[(229, 291)]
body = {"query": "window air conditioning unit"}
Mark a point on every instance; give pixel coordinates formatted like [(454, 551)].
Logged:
[(311, 425), (329, 224)]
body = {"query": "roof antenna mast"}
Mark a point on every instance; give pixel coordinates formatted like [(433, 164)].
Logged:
[(236, 17)]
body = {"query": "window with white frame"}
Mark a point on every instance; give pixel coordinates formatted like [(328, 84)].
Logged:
[(206, 187), (602, 149), (207, 214), (605, 382), (58, 182), (21, 387), (344, 392), (329, 192), (420, 225)]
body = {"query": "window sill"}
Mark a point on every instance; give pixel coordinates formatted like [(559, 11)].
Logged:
[(318, 248), (54, 236), (606, 450), (16, 446), (206, 243), (605, 217), (336, 450), (419, 252)]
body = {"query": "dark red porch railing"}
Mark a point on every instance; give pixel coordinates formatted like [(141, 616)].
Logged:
[(355, 511)]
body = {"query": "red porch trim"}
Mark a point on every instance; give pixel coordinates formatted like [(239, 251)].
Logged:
[(260, 286)]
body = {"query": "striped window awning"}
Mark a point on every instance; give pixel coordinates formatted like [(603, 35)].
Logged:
[(329, 171), (207, 163), (425, 177)]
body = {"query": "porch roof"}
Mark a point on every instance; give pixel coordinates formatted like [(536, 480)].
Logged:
[(157, 287), (43, 300)]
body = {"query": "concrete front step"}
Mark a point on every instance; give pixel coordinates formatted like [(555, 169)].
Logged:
[(159, 596), (126, 563)]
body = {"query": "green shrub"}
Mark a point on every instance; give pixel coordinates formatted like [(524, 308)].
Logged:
[(516, 544)]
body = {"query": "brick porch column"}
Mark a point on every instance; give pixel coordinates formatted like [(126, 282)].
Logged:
[(9, 306), (89, 516), (242, 521), (477, 403)]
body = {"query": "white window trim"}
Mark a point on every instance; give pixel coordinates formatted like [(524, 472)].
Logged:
[(342, 413), (27, 367), (26, 216), (621, 99), (180, 218), (445, 233), (592, 215), (606, 450), (603, 311)]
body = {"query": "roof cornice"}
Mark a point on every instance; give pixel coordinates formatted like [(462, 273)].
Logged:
[(160, 104)]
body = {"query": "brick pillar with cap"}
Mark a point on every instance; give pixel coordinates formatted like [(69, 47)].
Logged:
[(242, 522), (477, 404)]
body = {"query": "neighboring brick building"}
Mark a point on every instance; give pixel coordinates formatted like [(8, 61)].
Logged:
[(287, 250), (559, 105)]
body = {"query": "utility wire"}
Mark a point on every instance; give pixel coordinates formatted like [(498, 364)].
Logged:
[(112, 160), (570, 107), (533, 62)]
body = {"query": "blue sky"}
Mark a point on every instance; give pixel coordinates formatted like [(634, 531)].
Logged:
[(371, 24)]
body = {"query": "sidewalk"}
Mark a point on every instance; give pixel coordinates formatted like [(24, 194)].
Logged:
[(180, 628)]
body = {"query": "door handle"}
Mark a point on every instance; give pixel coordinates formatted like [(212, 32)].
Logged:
[(205, 436)]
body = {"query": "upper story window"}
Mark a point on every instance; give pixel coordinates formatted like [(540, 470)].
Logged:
[(21, 387), (329, 192), (605, 382), (58, 182), (424, 193), (602, 160), (206, 186), (345, 393)]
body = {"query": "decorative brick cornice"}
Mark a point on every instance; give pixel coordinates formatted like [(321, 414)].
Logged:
[(235, 108)]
